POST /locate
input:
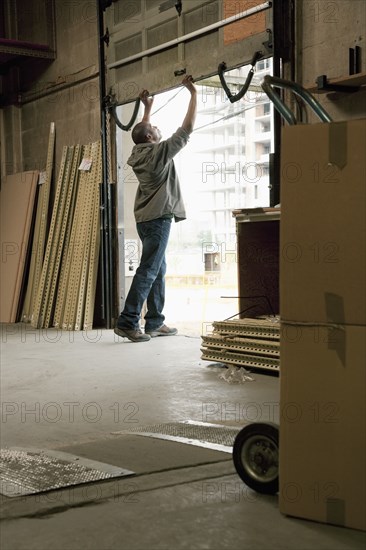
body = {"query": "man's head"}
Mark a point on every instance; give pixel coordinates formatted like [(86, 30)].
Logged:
[(144, 132)]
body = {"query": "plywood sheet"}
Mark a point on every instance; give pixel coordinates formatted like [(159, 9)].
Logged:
[(17, 197)]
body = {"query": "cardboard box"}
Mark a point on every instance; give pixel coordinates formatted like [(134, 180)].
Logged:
[(323, 223), (323, 423)]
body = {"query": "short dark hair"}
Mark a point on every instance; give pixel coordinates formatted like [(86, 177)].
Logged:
[(139, 133)]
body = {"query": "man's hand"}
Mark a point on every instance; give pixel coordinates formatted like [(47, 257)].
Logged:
[(148, 102), (188, 83), (146, 99)]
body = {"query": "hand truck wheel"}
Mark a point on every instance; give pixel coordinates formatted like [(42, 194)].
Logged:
[(256, 456)]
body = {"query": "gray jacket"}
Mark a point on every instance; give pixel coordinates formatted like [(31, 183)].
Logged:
[(158, 194)]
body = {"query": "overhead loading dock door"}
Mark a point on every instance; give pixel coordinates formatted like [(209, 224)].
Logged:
[(151, 45)]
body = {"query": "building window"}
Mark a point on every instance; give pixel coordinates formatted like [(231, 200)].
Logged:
[(263, 64)]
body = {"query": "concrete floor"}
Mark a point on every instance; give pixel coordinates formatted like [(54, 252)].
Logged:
[(72, 391)]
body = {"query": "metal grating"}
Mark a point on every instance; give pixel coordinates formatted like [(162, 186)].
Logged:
[(201, 434), (236, 359), (31, 471), (257, 347), (251, 343), (67, 283), (254, 328)]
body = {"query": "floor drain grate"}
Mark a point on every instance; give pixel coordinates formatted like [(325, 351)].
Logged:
[(31, 471), (211, 436)]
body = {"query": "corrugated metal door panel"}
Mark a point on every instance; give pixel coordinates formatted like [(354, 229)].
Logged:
[(139, 26)]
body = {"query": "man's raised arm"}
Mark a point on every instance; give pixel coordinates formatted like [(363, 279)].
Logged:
[(148, 103), (190, 118)]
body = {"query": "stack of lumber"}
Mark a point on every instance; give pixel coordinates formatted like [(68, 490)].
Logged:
[(249, 343)]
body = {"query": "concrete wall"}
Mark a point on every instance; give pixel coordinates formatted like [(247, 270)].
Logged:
[(326, 31), (65, 91)]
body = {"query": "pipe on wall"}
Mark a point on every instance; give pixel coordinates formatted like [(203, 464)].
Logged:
[(106, 218)]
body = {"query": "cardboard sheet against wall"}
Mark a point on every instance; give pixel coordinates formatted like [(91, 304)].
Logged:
[(17, 197)]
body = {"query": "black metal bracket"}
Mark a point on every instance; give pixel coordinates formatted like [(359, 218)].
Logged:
[(177, 4), (222, 67), (106, 36), (180, 72), (268, 44), (324, 85), (354, 59), (104, 4)]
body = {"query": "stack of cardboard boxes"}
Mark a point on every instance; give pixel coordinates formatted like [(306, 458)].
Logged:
[(323, 323)]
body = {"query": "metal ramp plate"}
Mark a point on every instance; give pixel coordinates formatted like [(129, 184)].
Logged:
[(31, 471), (201, 434)]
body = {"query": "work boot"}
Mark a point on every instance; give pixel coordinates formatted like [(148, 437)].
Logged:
[(162, 331), (134, 334)]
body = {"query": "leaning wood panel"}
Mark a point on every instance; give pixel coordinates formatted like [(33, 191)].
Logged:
[(16, 209), (39, 238)]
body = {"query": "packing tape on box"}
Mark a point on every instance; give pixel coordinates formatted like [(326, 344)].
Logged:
[(333, 334), (334, 304), (338, 144)]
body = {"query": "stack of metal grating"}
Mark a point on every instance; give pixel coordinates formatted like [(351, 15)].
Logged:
[(63, 272), (249, 343)]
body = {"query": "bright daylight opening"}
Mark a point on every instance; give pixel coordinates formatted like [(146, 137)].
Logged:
[(224, 167)]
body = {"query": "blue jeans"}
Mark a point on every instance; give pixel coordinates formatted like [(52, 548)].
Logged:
[(149, 281)]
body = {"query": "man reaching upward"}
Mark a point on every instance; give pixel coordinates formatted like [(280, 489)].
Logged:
[(158, 200)]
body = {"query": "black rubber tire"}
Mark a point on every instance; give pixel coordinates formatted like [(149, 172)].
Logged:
[(256, 456)]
